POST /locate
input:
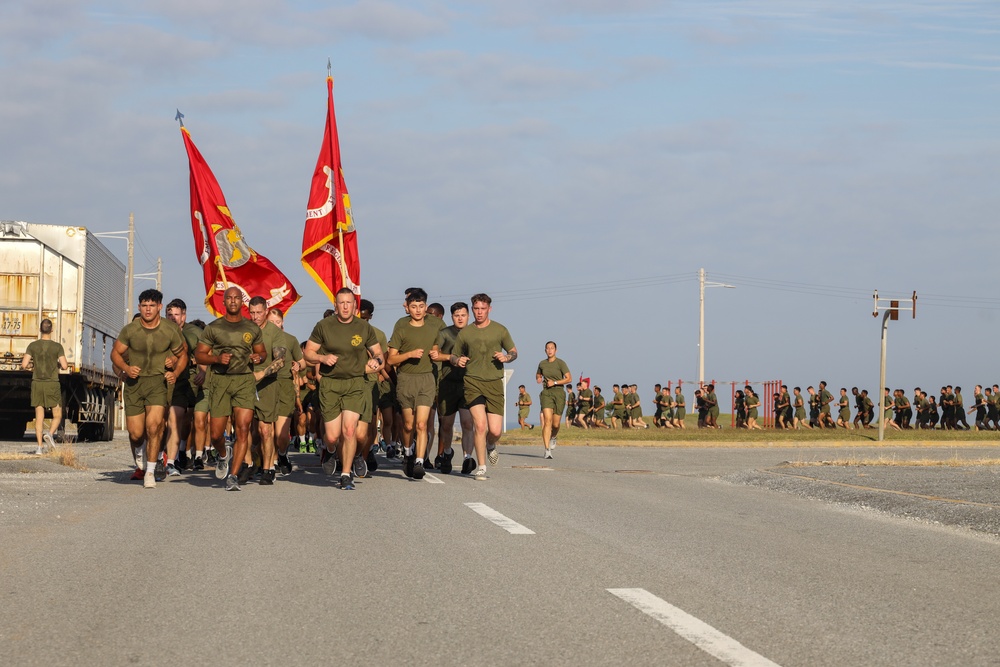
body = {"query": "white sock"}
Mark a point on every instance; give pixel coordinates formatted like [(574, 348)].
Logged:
[(198, 453), (170, 462), (420, 461), (150, 466), (409, 451)]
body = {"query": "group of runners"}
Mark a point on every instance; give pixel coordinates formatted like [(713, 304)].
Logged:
[(230, 392)]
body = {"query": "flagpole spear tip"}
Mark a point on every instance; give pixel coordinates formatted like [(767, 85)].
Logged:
[(179, 117), (329, 67)]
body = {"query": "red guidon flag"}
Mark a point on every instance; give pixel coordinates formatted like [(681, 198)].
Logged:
[(226, 259), (330, 241)]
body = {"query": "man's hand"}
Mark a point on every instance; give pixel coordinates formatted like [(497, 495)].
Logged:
[(170, 376), (224, 358), (133, 371)]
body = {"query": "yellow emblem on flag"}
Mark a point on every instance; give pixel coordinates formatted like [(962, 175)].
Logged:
[(355, 340)]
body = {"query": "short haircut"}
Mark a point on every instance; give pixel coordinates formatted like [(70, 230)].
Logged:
[(177, 303), (276, 311), (520, 386), (436, 307), (482, 297), (198, 323), (459, 305), (257, 301), (798, 389), (367, 306), (328, 312), (416, 294), (343, 290), (46, 326), (154, 295)]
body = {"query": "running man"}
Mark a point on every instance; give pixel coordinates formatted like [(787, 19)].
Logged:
[(45, 357), (551, 374), (482, 349), (346, 348), (413, 347), (451, 398), (523, 408), (231, 345), (181, 414), (149, 341)]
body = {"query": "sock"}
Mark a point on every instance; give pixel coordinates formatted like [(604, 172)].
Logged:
[(409, 451), (198, 454), (170, 462), (448, 452), (150, 466), (420, 461)]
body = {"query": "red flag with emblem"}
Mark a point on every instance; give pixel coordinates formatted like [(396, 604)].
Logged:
[(330, 241), (225, 257)]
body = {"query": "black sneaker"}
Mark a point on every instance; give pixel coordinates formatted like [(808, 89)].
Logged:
[(408, 462), (244, 475), (372, 461), (346, 483), (428, 465), (326, 459), (182, 461), (418, 470), (159, 472), (468, 465), (445, 465), (199, 464), (266, 478), (439, 461), (284, 465)]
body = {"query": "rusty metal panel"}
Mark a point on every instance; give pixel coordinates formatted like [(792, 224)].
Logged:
[(18, 291), (70, 297), (51, 279)]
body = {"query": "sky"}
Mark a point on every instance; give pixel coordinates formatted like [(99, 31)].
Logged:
[(578, 161)]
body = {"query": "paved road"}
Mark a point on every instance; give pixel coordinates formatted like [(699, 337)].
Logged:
[(96, 570)]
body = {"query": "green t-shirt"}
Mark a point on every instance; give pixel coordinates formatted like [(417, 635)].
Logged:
[(598, 405), (383, 345), (350, 342), (554, 370), (479, 345), (271, 335), (293, 353), (149, 348), (191, 333), (406, 337), (679, 400), (523, 400), (618, 401), (45, 359), (238, 338), (585, 400), (448, 372)]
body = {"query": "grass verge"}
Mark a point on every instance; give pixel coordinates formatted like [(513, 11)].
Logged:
[(64, 455)]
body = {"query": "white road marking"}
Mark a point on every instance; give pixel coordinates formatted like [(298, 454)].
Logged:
[(432, 479), (699, 633), (511, 526)]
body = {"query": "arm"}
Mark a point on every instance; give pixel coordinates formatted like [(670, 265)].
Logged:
[(376, 363), (179, 365), (118, 360), (312, 355), (396, 357), (26, 361), (506, 358)]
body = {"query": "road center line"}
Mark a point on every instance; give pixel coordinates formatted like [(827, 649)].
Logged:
[(699, 633), (511, 526), (431, 479)]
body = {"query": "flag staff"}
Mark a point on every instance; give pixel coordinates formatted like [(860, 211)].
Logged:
[(338, 195)]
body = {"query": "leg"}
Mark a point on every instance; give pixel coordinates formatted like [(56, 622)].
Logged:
[(56, 420), (242, 419), (267, 456), (39, 425)]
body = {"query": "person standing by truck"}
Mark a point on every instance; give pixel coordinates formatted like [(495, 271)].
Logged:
[(45, 357)]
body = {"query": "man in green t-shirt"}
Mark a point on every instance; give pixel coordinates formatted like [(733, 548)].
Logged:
[(584, 401), (617, 407), (451, 398), (413, 349), (482, 349), (44, 357), (157, 356), (231, 346), (523, 408), (680, 408), (597, 412), (185, 396), (346, 348), (364, 460)]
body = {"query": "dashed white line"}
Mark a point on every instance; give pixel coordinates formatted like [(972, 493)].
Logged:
[(699, 633), (511, 526), (431, 479)]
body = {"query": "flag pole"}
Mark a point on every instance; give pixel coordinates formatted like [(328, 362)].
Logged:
[(340, 229)]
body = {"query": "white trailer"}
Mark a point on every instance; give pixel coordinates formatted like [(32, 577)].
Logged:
[(67, 275)]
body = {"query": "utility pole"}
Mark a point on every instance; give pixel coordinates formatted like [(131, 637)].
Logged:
[(891, 313), (702, 284), (131, 268)]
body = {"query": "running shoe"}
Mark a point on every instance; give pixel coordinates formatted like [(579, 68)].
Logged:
[(137, 454), (438, 460), (160, 471), (172, 470), (493, 455), (360, 467), (328, 461), (468, 465), (138, 474), (408, 462), (371, 461), (428, 464), (390, 452), (481, 475), (445, 465), (346, 483), (552, 443), (548, 453), (199, 463), (222, 465), (418, 470), (213, 456), (47, 439), (182, 460), (244, 475), (284, 465), (39, 451), (149, 480), (266, 478), (232, 484)]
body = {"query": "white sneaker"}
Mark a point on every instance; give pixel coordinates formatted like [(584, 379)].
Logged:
[(139, 457), (493, 455), (39, 451), (481, 475), (148, 481), (49, 442), (552, 443), (548, 453)]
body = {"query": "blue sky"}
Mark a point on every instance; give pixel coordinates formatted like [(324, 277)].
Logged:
[(578, 160)]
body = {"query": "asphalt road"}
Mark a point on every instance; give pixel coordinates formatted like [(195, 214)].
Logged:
[(712, 562)]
